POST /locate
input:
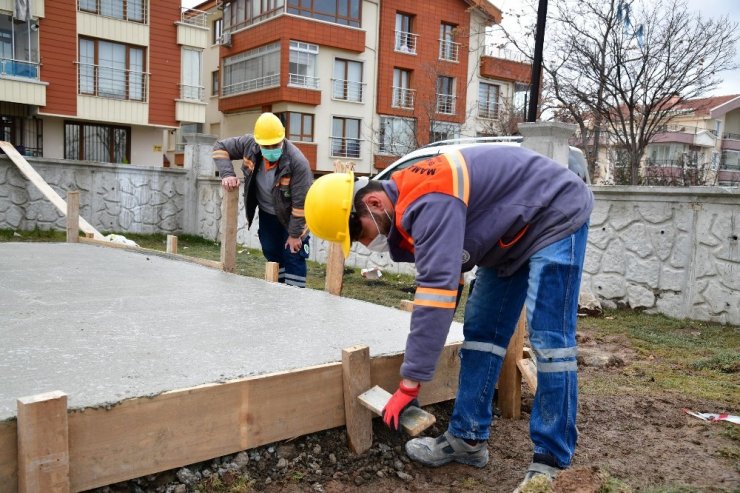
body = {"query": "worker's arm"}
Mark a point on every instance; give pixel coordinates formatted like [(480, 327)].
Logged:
[(436, 222), (300, 182), (227, 150)]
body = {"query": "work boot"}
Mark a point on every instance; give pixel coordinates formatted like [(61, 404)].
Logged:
[(434, 452), (538, 476)]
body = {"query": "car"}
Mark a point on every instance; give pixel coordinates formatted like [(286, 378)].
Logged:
[(576, 159)]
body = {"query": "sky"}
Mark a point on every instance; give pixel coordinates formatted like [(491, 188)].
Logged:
[(708, 8)]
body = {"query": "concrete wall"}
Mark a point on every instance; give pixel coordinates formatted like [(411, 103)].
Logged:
[(668, 250)]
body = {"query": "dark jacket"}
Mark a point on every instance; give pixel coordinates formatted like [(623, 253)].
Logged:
[(516, 202), (292, 179)]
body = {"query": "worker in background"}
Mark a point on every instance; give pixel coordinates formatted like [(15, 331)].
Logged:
[(276, 178), (522, 219)]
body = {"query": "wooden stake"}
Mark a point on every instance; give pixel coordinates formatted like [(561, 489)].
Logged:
[(334, 269), (229, 208), (413, 420), (407, 305), (272, 271), (355, 380), (73, 217), (529, 372), (43, 443), (172, 244), (510, 381)]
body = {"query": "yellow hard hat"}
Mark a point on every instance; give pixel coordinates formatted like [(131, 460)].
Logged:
[(268, 130), (328, 206)]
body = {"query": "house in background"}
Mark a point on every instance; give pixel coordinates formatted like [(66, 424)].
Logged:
[(701, 144), (355, 80), (99, 80)]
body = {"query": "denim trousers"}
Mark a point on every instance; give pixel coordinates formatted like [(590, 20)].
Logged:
[(549, 285), (273, 236)]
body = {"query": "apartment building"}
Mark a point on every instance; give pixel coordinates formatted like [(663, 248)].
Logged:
[(100, 80), (353, 80)]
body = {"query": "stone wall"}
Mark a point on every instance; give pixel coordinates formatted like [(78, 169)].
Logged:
[(116, 198), (668, 250)]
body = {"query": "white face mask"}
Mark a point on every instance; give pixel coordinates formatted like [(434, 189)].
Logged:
[(380, 242)]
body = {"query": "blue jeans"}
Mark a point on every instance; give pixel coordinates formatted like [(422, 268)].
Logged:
[(273, 236), (549, 284)]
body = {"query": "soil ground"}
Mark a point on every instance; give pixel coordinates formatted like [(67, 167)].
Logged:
[(630, 440)]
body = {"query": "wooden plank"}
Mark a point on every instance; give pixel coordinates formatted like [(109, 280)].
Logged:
[(43, 443), (407, 305), (272, 271), (73, 217), (413, 420), (151, 434), (8, 456), (229, 210), (172, 244), (355, 380), (510, 381), (38, 181), (334, 269), (529, 372)]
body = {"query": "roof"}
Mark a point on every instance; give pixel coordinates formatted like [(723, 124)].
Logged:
[(490, 10), (706, 106)]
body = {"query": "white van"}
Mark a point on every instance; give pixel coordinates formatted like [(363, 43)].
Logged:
[(576, 159)]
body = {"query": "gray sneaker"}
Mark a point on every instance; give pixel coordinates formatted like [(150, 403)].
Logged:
[(542, 474), (446, 448)]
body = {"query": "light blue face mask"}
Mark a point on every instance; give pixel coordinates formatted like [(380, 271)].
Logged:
[(272, 155)]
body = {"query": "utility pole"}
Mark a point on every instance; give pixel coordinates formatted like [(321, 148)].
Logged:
[(539, 41)]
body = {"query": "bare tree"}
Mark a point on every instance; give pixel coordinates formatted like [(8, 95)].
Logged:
[(624, 67)]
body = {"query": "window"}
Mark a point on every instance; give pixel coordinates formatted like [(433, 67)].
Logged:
[(217, 31), (298, 126), (347, 81), (18, 48), (446, 95), (444, 131), (521, 99), (488, 100), (92, 142), (302, 65), (127, 10), (345, 137), (448, 49), (345, 12), (118, 73), (397, 135), (214, 83), (403, 96), (252, 70), (405, 40), (730, 160), (191, 86), (242, 13), (25, 133)]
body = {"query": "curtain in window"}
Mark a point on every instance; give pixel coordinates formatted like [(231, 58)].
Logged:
[(87, 66), (111, 70)]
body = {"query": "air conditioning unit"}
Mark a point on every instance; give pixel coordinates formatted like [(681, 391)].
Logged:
[(226, 39)]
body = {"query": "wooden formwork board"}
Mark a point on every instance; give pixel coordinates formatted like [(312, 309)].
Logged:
[(151, 434)]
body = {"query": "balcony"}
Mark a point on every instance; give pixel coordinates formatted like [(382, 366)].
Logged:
[(347, 90), (446, 104), (403, 98), (19, 82), (130, 10), (112, 83), (731, 142), (299, 80), (345, 147), (488, 110), (257, 84), (683, 134), (507, 70), (406, 42), (192, 28), (449, 51)]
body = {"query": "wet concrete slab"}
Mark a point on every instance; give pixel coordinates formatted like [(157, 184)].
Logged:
[(104, 324)]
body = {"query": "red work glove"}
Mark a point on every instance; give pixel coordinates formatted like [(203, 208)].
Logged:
[(399, 401)]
